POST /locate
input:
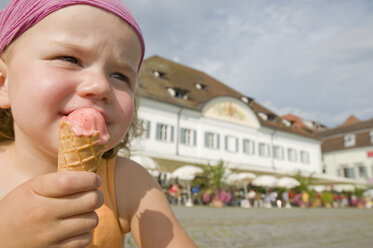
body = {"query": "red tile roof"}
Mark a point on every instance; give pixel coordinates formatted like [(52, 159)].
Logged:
[(158, 74), (350, 121), (333, 139)]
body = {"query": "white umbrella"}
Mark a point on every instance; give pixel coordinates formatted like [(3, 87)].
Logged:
[(246, 176), (287, 182), (186, 172), (232, 178), (369, 193), (318, 188), (243, 177), (146, 162), (265, 181), (154, 173)]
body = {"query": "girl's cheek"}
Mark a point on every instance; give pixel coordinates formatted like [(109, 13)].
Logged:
[(127, 104), (127, 113)]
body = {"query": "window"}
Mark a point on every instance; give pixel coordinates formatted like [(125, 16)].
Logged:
[(340, 172), (231, 144), (178, 93), (244, 99), (349, 172), (292, 155), (248, 147), (188, 137), (165, 132), (286, 123), (264, 150), (212, 140), (271, 117), (159, 74), (278, 152), (146, 126), (363, 171), (371, 137), (200, 86), (304, 157), (263, 116), (349, 140)]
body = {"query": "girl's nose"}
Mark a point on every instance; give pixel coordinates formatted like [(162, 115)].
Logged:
[(94, 85)]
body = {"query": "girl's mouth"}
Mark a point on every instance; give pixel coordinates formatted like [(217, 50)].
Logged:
[(64, 114)]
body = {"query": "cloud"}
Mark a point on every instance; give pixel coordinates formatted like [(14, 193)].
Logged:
[(310, 57), (330, 120)]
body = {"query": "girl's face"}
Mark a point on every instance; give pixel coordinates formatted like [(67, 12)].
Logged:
[(79, 56)]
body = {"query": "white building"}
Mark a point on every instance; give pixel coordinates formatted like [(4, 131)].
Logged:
[(192, 118), (348, 150)]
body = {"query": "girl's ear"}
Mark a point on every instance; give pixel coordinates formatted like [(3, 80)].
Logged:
[(4, 99)]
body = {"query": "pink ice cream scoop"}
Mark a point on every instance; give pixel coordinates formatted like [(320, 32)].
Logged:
[(88, 121), (82, 140)]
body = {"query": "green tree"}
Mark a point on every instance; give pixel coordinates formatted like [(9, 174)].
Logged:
[(215, 174), (305, 182)]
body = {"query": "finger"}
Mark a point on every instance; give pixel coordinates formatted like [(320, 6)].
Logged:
[(64, 183), (78, 241), (78, 203), (76, 225)]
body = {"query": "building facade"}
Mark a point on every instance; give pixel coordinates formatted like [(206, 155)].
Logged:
[(191, 118), (348, 150)]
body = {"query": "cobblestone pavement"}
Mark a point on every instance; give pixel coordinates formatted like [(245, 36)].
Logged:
[(276, 228)]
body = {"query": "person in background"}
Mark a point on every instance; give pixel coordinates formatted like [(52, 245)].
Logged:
[(251, 197)]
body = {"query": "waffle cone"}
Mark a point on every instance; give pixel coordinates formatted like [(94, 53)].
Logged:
[(78, 153)]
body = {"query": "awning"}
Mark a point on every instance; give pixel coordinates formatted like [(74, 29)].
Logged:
[(169, 165), (323, 179)]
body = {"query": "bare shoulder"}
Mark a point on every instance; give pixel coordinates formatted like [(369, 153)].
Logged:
[(144, 210), (132, 182), (130, 172)]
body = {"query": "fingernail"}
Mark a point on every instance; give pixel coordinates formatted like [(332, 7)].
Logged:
[(99, 180)]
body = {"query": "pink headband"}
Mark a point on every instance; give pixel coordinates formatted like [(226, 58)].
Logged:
[(20, 15)]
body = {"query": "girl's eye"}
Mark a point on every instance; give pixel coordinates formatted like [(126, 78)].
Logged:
[(120, 77), (69, 59)]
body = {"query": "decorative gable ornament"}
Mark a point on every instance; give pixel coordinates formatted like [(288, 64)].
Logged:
[(231, 110)]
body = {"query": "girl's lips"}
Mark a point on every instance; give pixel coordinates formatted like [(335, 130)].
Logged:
[(107, 119)]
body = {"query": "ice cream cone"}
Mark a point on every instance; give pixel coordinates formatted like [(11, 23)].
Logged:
[(78, 153)]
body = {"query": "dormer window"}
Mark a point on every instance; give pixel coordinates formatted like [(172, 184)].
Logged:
[(171, 91), (271, 117), (286, 123), (178, 93), (246, 99), (349, 140), (200, 86), (159, 74), (263, 116)]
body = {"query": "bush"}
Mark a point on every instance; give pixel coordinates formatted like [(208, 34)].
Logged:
[(327, 197)]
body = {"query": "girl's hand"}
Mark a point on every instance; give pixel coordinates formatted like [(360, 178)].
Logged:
[(51, 210)]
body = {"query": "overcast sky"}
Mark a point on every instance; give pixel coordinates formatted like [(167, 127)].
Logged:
[(313, 58)]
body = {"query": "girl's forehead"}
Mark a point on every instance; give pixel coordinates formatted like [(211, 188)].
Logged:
[(20, 15), (76, 30)]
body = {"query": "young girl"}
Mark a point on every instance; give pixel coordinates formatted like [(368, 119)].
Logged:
[(58, 56)]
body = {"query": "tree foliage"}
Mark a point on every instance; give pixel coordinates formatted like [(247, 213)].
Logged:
[(305, 182), (215, 174)]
